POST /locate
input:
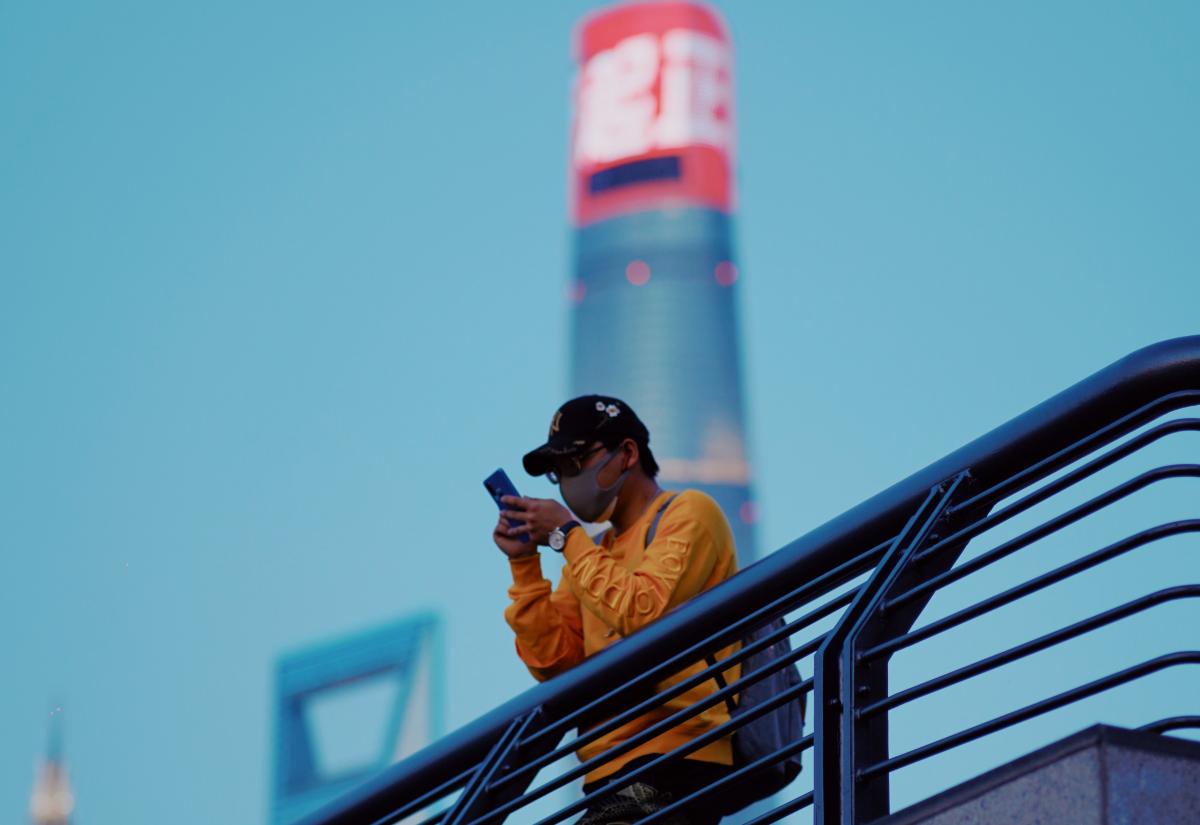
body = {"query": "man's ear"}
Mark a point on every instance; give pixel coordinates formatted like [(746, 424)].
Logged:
[(633, 449)]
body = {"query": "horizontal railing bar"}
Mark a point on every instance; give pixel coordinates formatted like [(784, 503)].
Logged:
[(719, 732), (1041, 531), (1055, 487), (790, 749), (428, 798), (675, 690), (1172, 723), (810, 590), (1161, 531), (1185, 657), (1090, 443), (1029, 648), (797, 804)]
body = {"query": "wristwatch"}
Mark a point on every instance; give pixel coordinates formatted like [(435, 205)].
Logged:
[(558, 536)]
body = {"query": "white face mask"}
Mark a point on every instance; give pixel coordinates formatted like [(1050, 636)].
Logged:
[(586, 498)]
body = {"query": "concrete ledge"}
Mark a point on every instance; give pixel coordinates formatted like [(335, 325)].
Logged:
[(1099, 776)]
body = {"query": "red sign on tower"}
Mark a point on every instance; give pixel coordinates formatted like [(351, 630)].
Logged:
[(653, 123)]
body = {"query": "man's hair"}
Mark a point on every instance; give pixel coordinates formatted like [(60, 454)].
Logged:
[(645, 458)]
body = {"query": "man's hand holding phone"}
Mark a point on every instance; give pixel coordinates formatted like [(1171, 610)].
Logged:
[(510, 535), (513, 541), (524, 522), (539, 517)]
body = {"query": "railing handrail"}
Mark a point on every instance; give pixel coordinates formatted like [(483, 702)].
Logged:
[(1163, 372)]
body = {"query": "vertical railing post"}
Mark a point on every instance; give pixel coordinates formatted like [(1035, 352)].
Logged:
[(477, 797), (844, 743)]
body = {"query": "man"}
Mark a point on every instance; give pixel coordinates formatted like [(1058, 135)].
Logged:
[(598, 452)]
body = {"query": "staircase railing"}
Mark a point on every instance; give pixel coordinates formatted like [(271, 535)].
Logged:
[(851, 591)]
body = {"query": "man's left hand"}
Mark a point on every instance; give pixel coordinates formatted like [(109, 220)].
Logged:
[(541, 515)]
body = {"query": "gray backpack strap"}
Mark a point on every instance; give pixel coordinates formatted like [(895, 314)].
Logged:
[(658, 517), (599, 537)]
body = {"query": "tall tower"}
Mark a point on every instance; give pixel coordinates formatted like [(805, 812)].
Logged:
[(654, 318), (52, 801)]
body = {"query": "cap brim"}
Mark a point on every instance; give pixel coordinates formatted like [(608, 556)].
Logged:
[(540, 460)]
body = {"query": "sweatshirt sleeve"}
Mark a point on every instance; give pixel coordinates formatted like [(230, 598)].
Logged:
[(691, 538), (547, 623)]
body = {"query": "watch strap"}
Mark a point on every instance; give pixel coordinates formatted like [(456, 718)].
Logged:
[(564, 530)]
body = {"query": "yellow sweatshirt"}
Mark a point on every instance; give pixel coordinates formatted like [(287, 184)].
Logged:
[(612, 589)]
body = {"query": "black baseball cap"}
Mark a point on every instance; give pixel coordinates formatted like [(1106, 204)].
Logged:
[(579, 423)]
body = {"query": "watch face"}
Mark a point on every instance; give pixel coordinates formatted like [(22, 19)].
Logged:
[(557, 540)]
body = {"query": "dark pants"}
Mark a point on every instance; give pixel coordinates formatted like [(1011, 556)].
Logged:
[(679, 778)]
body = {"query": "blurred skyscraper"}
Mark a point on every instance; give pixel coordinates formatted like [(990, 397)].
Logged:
[(652, 192), (52, 800), (348, 708)]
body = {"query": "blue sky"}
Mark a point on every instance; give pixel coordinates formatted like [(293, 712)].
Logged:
[(282, 282)]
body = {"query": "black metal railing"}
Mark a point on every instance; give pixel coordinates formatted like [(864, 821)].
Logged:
[(851, 592)]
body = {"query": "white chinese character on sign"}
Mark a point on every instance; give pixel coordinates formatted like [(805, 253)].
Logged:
[(621, 112), (696, 94), (616, 100)]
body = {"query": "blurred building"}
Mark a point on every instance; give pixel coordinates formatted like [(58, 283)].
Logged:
[(52, 800), (654, 317), (347, 708)]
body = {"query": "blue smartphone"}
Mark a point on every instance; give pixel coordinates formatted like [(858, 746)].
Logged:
[(499, 484)]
